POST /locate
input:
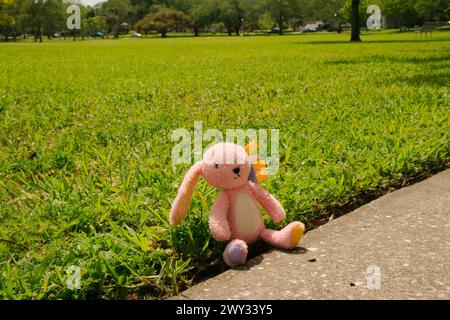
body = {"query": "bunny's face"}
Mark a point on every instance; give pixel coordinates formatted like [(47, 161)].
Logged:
[(226, 166)]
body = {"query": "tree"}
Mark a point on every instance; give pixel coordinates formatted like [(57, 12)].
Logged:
[(7, 22), (11, 16), (324, 10), (283, 10), (356, 23), (21, 17), (253, 13), (347, 8), (265, 21), (144, 25), (95, 24), (203, 13), (44, 17), (116, 12), (231, 14), (400, 13), (431, 9), (163, 21), (54, 18), (140, 8)]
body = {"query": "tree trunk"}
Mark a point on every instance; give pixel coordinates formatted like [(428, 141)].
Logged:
[(163, 34), (196, 31), (356, 24), (280, 25), (237, 29)]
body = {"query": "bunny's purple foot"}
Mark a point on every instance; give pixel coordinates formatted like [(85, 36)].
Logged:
[(235, 253), (286, 238)]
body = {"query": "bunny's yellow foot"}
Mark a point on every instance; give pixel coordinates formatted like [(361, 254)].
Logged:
[(297, 234)]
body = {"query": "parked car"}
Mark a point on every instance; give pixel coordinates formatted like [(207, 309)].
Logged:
[(136, 35), (316, 26), (325, 26), (97, 34), (275, 30), (310, 27)]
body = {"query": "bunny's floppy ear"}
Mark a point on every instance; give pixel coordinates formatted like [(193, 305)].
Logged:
[(181, 204)]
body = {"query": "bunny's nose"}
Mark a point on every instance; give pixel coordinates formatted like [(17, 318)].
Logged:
[(236, 170)]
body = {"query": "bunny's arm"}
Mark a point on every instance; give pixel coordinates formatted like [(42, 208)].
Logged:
[(218, 220), (273, 208)]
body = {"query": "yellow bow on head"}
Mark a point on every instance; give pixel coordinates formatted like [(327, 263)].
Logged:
[(259, 166)]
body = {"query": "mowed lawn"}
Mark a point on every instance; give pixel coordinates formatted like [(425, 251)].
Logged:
[(86, 177)]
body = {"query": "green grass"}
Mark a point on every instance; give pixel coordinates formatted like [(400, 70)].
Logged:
[(85, 150)]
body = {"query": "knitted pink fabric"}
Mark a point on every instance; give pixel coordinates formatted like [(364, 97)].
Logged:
[(236, 213)]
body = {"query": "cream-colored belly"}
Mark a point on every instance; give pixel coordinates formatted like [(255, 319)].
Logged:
[(247, 215)]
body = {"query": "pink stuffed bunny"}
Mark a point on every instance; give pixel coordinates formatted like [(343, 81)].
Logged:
[(235, 215)]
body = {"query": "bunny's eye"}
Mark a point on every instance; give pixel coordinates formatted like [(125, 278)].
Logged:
[(216, 166)]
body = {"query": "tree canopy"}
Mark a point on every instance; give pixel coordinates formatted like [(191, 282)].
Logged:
[(163, 21), (47, 17)]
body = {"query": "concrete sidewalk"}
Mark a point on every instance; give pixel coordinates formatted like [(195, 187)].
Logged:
[(404, 235)]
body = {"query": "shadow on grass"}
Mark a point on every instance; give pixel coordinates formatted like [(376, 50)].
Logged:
[(446, 39), (430, 80), (433, 78), (390, 59)]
